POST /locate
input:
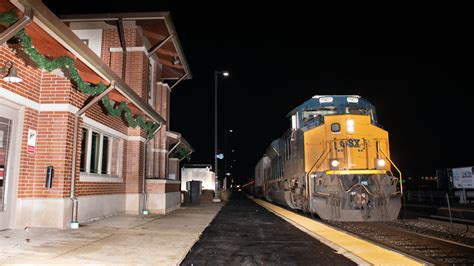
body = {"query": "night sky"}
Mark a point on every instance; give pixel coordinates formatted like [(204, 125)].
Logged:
[(413, 64)]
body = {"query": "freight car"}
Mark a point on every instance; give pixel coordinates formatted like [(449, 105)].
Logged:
[(334, 161)]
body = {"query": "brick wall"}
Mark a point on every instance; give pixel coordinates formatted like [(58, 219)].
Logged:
[(55, 129), (31, 76), (54, 133)]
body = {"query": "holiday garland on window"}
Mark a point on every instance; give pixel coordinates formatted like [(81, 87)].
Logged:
[(85, 87)]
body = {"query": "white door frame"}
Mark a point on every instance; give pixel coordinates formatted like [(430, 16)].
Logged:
[(15, 113)]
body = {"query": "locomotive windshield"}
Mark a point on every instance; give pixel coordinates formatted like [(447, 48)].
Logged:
[(316, 116), (312, 112)]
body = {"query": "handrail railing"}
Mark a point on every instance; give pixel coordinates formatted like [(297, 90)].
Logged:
[(398, 170), (318, 162)]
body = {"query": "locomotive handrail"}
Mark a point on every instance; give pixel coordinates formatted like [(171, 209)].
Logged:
[(319, 160), (353, 186), (399, 172)]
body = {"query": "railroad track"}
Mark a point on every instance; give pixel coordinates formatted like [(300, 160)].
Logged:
[(426, 248), (430, 249)]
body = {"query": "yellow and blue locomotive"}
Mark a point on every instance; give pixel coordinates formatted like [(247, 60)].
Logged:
[(334, 161)]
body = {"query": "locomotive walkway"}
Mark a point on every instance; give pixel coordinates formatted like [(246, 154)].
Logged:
[(244, 233)]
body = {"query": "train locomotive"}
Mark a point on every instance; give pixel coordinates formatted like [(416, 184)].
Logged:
[(334, 161)]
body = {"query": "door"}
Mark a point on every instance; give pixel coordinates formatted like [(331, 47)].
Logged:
[(8, 164)]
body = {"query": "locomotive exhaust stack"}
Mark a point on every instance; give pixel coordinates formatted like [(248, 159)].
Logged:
[(333, 161)]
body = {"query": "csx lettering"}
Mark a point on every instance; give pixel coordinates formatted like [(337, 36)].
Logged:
[(351, 143)]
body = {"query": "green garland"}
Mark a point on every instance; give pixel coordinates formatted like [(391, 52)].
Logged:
[(85, 87), (182, 153)]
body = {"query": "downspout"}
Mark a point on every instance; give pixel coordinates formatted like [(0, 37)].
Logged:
[(168, 157), (17, 26), (124, 47), (74, 223), (144, 192)]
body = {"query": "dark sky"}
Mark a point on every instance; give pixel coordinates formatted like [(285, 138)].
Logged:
[(414, 64)]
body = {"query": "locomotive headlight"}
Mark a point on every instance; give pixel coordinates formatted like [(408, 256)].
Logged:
[(380, 163), (350, 125), (334, 163)]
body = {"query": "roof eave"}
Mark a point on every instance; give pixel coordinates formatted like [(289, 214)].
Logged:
[(57, 29), (138, 16)]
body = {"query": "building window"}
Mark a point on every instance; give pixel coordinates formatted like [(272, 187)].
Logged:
[(105, 155), (82, 166), (151, 78), (100, 154), (94, 162)]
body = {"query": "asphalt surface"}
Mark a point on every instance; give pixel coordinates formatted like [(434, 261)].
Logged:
[(244, 233)]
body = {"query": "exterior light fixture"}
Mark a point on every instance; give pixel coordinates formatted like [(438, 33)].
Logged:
[(334, 163), (350, 126), (175, 61), (380, 163), (9, 73)]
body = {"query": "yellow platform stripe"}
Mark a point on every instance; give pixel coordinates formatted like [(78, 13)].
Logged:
[(368, 252), (355, 172)]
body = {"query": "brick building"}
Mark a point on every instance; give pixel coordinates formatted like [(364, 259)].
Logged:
[(95, 93)]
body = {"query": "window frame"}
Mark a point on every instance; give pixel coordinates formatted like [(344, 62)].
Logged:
[(87, 175)]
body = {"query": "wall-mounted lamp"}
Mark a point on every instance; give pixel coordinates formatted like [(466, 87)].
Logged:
[(175, 61), (9, 73)]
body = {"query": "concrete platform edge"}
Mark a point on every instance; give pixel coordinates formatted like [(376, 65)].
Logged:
[(197, 239), (341, 250)]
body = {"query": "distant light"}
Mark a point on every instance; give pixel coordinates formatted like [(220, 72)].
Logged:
[(225, 73), (230, 130)]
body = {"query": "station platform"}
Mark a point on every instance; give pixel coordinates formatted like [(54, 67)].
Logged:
[(120, 239), (254, 232)]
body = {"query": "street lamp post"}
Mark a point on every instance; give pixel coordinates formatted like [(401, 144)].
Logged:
[(226, 157), (225, 74)]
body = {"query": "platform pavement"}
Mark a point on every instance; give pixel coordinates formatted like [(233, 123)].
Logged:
[(120, 239), (244, 233)]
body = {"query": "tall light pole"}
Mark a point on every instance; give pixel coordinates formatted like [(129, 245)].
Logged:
[(216, 74), (226, 157)]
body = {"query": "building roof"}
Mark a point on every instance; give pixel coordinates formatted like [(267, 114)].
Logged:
[(53, 39), (321, 101), (176, 138), (161, 38)]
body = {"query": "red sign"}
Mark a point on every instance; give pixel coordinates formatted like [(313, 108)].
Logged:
[(30, 149)]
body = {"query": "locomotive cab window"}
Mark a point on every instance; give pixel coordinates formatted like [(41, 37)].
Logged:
[(361, 111), (317, 116), (358, 111)]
